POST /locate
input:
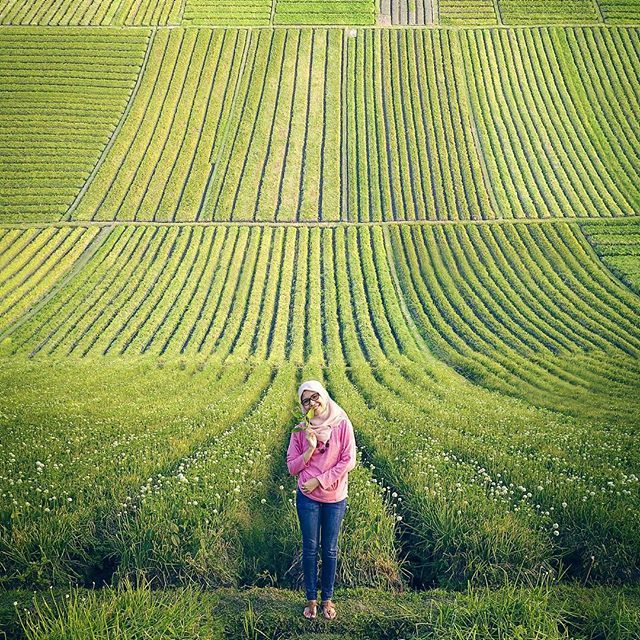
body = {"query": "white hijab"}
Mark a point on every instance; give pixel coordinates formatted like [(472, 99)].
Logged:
[(322, 423)]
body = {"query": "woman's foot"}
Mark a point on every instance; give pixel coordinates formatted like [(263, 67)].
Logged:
[(311, 610), (328, 610)]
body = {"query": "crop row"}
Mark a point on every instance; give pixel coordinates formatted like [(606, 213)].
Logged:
[(192, 290), (90, 12), (321, 124), (410, 153), (618, 245), (491, 488), (553, 109), (461, 12), (175, 490), (281, 159), (548, 11), (525, 309), (65, 484), (186, 12), (234, 292), (60, 100), (32, 261), (315, 12), (334, 12), (158, 166), (486, 495), (223, 12), (620, 11)]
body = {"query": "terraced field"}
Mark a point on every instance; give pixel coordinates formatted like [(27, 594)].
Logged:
[(90, 12), (226, 124), (32, 261), (460, 12), (431, 207), (548, 11), (62, 94), (619, 248), (407, 12), (620, 11)]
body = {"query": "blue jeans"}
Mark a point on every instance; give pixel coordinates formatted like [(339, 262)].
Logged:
[(319, 519)]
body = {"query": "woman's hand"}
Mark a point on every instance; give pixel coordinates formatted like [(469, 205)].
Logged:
[(312, 441), (310, 485)]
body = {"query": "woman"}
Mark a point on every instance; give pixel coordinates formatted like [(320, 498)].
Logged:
[(321, 456)]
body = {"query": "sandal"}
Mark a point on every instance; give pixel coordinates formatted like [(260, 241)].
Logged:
[(311, 610), (329, 610)]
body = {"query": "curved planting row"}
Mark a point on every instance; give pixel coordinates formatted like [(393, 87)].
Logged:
[(90, 12), (179, 488), (485, 495), (233, 292), (158, 166), (73, 468), (556, 117), (235, 524), (490, 487), (521, 308), (32, 261), (618, 245), (62, 94)]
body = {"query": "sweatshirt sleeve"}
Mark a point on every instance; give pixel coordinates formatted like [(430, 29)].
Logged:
[(295, 456), (346, 462)]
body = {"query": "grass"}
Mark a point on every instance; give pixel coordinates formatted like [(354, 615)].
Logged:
[(131, 613)]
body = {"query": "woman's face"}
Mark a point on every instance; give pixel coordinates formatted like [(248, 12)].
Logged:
[(312, 399)]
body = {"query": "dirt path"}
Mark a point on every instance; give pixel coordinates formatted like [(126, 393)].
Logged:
[(300, 223)]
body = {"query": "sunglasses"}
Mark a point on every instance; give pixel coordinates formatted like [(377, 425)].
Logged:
[(307, 401)]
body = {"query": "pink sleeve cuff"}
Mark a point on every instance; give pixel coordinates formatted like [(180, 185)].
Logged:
[(296, 465)]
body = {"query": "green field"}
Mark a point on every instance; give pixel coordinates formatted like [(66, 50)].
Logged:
[(431, 206)]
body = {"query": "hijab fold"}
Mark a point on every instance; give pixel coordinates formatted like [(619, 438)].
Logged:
[(333, 413)]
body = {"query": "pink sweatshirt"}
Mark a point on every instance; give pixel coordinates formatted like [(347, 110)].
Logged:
[(330, 467)]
